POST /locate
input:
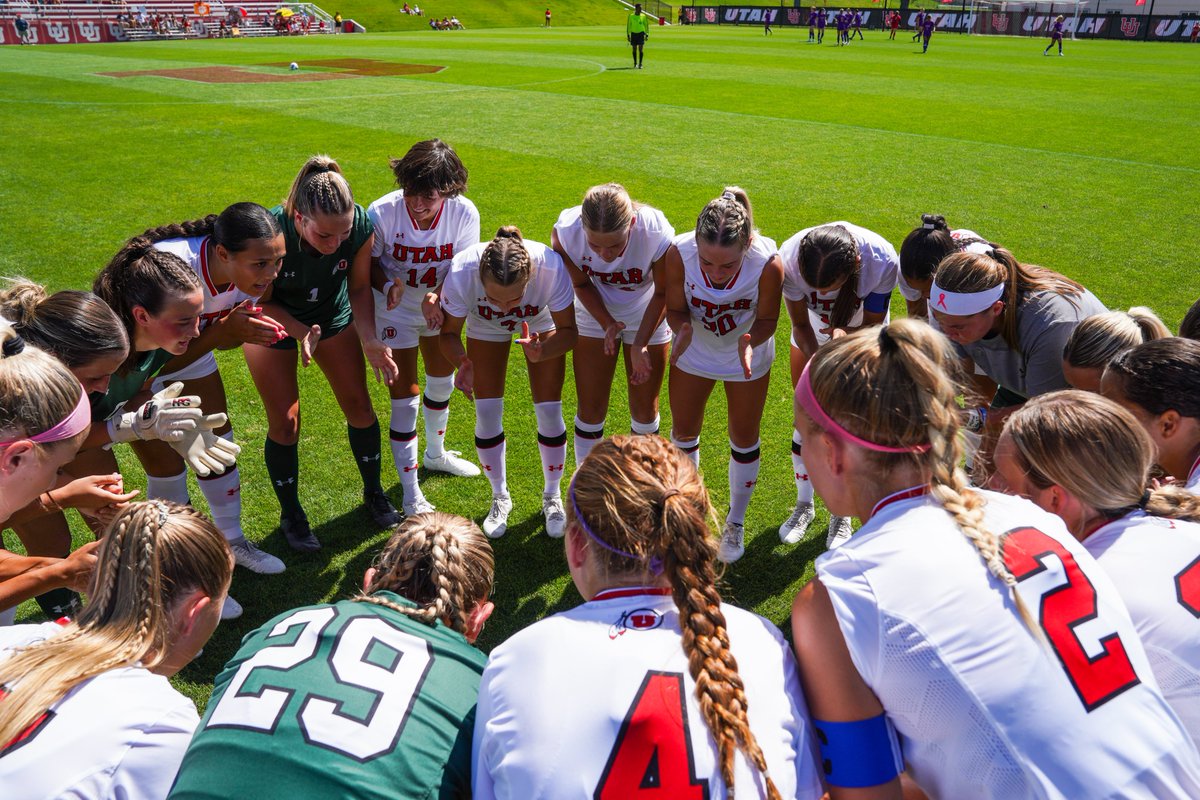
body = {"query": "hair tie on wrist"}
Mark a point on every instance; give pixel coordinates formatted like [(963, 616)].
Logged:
[(13, 346)]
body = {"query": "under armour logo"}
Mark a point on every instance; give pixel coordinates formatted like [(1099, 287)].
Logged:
[(411, 468), (801, 477), (488, 467), (750, 484), (285, 482), (552, 468), (441, 433), (367, 459), (289, 274)]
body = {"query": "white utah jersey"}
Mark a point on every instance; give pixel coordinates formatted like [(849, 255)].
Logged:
[(968, 242), (721, 316), (420, 258), (594, 701), (218, 300), (549, 290), (121, 734), (626, 283), (983, 709), (879, 272), (1155, 563), (1193, 479)]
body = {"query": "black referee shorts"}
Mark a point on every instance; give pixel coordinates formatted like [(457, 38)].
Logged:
[(637, 39)]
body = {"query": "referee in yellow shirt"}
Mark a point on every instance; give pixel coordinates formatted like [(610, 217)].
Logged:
[(637, 31)]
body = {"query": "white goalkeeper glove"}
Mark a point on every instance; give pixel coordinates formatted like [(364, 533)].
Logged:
[(204, 451), (165, 416)]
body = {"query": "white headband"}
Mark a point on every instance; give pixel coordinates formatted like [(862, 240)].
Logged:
[(963, 305)]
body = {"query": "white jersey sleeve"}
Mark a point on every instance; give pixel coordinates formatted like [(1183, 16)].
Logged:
[(218, 300), (879, 273)]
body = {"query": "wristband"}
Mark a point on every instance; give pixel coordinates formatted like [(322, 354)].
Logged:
[(861, 753)]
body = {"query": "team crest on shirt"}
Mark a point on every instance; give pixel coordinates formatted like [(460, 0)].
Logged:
[(640, 619), (341, 266), (389, 332)]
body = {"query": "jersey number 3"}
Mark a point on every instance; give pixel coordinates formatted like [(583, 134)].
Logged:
[(1067, 603), (652, 758)]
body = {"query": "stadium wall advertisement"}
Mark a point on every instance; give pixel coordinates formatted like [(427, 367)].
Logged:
[(78, 31)]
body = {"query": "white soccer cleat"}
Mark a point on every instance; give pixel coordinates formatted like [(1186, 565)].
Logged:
[(797, 524), (231, 609), (495, 524), (246, 554), (556, 518), (451, 462), (418, 506), (839, 533), (733, 542)]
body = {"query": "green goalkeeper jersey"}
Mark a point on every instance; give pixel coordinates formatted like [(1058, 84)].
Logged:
[(637, 23), (351, 699)]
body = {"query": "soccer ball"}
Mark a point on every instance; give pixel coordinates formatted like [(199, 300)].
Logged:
[(293, 65)]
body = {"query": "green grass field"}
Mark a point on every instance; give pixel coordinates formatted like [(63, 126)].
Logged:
[(1085, 164)]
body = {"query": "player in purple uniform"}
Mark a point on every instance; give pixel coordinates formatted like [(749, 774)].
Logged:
[(1056, 35), (917, 26), (927, 31), (821, 19), (842, 26), (857, 25), (812, 25)]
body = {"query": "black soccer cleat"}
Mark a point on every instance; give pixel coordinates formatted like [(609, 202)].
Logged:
[(298, 534), (382, 512)]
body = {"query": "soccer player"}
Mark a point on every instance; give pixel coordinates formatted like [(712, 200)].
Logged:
[(722, 290), (418, 230), (822, 18), (1089, 461), (614, 250), (857, 25), (812, 24), (500, 289), (699, 697), (1099, 339), (945, 637), (329, 239), (372, 697), (838, 277), (918, 25), (894, 24), (921, 252), (1056, 35), (637, 31), (86, 708), (927, 28)]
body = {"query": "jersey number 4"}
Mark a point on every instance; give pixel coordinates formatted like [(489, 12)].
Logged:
[(652, 758), (325, 722), (1066, 604)]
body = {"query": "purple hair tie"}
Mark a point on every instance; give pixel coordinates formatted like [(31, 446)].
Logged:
[(655, 563)]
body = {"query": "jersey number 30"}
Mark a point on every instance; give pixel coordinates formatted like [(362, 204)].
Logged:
[(652, 757), (1067, 603), (324, 722)]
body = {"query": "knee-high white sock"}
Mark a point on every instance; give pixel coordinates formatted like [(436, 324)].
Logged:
[(552, 444), (804, 487), (224, 495), (743, 474), (437, 413), (489, 441), (173, 488), (587, 436), (403, 435), (645, 428), (689, 446)]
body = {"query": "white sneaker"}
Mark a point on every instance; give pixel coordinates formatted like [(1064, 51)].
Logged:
[(247, 555), (451, 462), (232, 609), (839, 533), (556, 518), (495, 524), (797, 524), (733, 542), (418, 506)]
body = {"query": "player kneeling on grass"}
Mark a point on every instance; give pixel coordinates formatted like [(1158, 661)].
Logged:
[(372, 697), (86, 709), (418, 231), (653, 684), (506, 287), (959, 627)]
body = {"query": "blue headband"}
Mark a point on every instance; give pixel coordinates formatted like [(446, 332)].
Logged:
[(655, 563)]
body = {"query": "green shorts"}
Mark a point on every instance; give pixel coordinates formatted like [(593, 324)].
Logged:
[(1007, 398)]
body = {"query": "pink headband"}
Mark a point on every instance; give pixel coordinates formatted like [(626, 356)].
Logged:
[(72, 425), (808, 401)]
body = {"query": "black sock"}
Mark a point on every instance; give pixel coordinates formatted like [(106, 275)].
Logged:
[(283, 467), (58, 603), (366, 445)]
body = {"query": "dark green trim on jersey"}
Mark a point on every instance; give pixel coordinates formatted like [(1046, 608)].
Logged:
[(122, 387), (311, 286)]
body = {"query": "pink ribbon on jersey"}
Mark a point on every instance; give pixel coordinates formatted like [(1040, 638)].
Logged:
[(72, 425), (808, 401)]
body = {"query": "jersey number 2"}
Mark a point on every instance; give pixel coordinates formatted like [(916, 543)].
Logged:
[(1067, 603), (652, 758)]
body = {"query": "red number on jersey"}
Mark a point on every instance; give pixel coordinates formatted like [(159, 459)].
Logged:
[(652, 758), (1187, 587), (1029, 552), (428, 280)]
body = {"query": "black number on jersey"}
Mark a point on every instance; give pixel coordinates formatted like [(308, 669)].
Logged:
[(721, 325)]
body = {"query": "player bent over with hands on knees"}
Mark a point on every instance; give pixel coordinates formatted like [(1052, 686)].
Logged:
[(511, 286), (614, 250), (1088, 461), (948, 629), (418, 230), (698, 697), (86, 709), (722, 290), (372, 697)]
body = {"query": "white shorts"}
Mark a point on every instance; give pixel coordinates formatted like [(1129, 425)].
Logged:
[(590, 329), (822, 338), (202, 367), (727, 368), (495, 332), (399, 328)]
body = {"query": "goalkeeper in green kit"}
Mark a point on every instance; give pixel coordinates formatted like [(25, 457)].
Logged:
[(637, 31)]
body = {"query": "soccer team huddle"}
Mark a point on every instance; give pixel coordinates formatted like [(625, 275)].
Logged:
[(1017, 616)]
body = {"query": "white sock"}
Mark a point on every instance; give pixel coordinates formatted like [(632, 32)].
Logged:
[(587, 436), (689, 446), (173, 488), (489, 441), (403, 435), (804, 488), (645, 428), (743, 474), (224, 495), (552, 444), (437, 413)]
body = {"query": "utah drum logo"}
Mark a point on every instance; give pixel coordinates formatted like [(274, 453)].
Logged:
[(641, 619), (1000, 22), (1130, 26)]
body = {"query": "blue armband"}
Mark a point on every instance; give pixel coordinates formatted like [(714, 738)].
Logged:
[(877, 302), (858, 754)]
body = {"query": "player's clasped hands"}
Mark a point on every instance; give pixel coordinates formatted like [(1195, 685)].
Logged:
[(96, 496), (246, 323), (531, 342)]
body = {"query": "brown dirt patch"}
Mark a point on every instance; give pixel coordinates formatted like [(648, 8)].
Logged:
[(341, 68)]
